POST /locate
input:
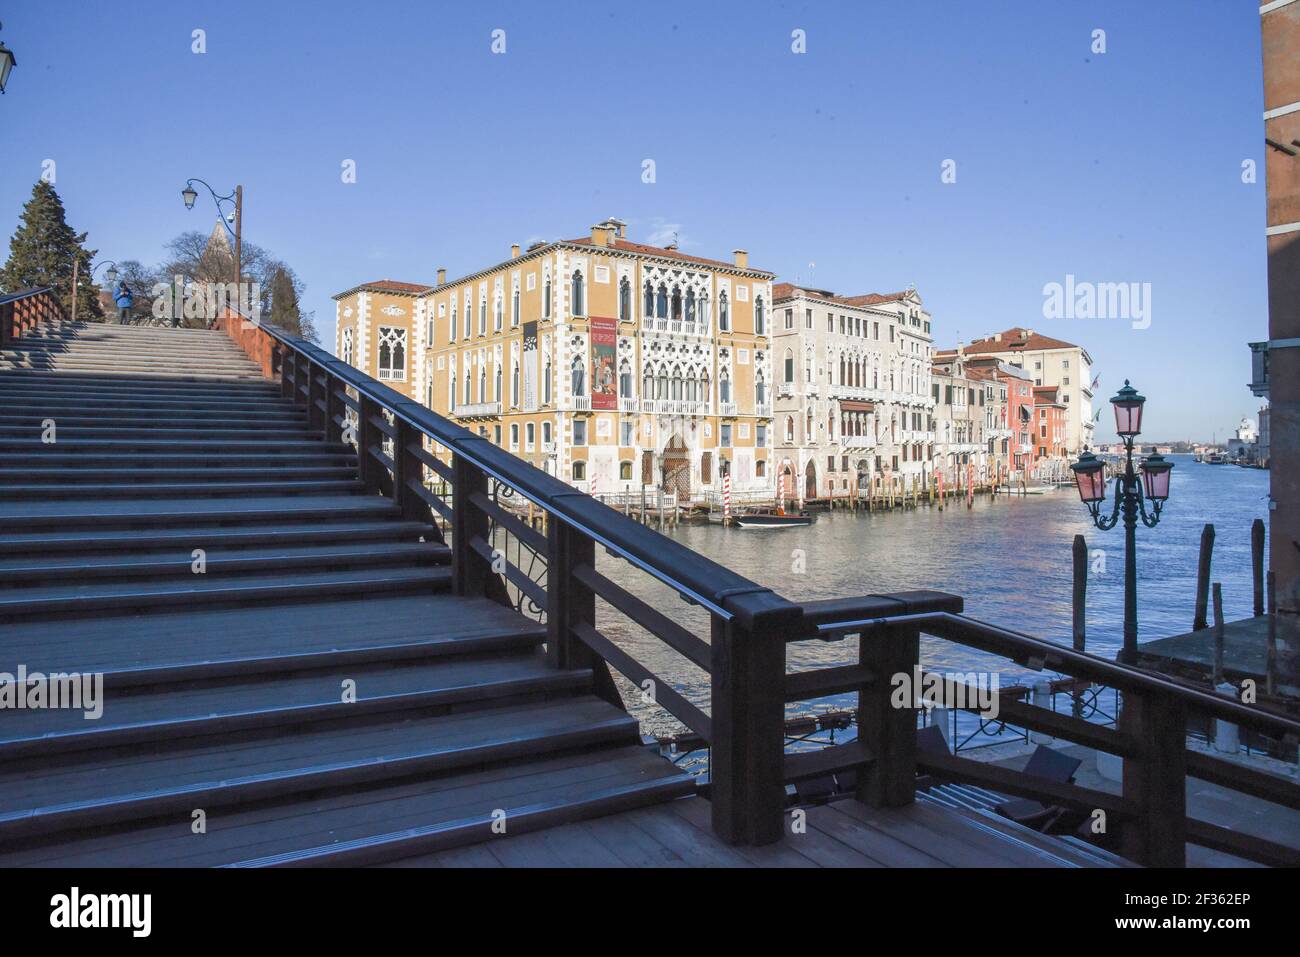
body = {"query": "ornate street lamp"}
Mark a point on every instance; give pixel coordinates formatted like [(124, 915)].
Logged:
[(1131, 497), (7, 63), (190, 195)]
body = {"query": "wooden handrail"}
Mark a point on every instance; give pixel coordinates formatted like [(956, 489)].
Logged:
[(1150, 737), (750, 624), (22, 311)]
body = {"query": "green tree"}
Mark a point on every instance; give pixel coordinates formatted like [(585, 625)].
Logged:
[(43, 250)]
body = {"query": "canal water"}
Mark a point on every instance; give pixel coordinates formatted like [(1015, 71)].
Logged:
[(1009, 557)]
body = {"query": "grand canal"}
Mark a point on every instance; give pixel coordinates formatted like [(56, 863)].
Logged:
[(1009, 557)]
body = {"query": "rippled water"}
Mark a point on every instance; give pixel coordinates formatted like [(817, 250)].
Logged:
[(1010, 558)]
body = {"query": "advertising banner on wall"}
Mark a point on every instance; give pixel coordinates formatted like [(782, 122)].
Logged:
[(604, 363), (530, 366)]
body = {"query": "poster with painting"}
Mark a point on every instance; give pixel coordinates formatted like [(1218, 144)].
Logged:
[(604, 358)]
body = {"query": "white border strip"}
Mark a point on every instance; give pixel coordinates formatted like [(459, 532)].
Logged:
[(1281, 111), (1275, 5), (1282, 228)]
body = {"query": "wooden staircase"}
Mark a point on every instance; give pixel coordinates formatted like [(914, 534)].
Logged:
[(280, 648)]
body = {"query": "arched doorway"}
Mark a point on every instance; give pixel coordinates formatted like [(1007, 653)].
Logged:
[(785, 486), (677, 468), (810, 481)]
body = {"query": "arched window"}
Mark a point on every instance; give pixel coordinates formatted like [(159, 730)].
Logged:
[(514, 308), (649, 309), (579, 470), (677, 304), (647, 385), (546, 382), (705, 395), (482, 316), (789, 365), (661, 302), (789, 428), (452, 327), (808, 426), (514, 385), (546, 298), (724, 313), (482, 385), (469, 387), (724, 386), (663, 384), (760, 388), (625, 471), (578, 375), (760, 320), (498, 397), (690, 305), (677, 383), (624, 300), (625, 379), (579, 294), (496, 314)]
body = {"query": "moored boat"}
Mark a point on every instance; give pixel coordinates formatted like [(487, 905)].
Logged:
[(771, 518)]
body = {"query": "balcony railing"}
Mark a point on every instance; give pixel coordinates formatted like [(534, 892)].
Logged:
[(477, 410), (582, 403), (627, 404), (729, 409)]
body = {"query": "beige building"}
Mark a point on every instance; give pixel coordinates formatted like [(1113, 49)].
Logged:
[(609, 363), (853, 399), (1049, 362)]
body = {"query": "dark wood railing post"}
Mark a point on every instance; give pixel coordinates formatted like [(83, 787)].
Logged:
[(1257, 563), (747, 753), (887, 731), (469, 570), (335, 409), (368, 437), (408, 468), (289, 376), (1155, 780)]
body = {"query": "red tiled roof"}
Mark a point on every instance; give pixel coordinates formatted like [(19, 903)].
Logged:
[(1018, 339), (387, 285), (786, 290), (625, 245)]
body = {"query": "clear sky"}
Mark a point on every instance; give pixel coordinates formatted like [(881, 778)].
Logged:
[(1123, 166)]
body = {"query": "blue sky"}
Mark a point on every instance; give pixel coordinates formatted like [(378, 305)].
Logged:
[(1115, 167)]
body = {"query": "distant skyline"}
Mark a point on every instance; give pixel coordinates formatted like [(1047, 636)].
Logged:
[(828, 166)]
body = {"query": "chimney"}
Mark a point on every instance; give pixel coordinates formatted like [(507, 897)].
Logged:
[(600, 234), (442, 275), (742, 259), (997, 337), (618, 226), (514, 250)]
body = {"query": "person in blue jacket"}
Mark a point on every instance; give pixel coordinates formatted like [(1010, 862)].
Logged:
[(124, 299)]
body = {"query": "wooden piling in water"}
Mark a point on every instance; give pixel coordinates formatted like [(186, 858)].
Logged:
[(1257, 563), (1218, 633), (1203, 577), (1078, 604), (1270, 653)]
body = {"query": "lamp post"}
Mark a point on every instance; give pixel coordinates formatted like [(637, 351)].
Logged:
[(189, 194), (1131, 496), (7, 63), (111, 276)]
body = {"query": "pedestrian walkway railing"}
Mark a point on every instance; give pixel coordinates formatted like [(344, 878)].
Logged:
[(400, 442), (23, 311)]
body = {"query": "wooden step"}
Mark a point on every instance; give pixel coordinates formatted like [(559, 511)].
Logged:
[(51, 491), (159, 565), (184, 645), (242, 704), (155, 511), (212, 536), (386, 822), (154, 477), (199, 590), (145, 783)]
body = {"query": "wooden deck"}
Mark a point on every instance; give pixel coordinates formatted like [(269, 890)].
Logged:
[(842, 834), (1245, 652)]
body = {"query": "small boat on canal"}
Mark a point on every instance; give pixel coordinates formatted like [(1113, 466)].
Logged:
[(771, 518)]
